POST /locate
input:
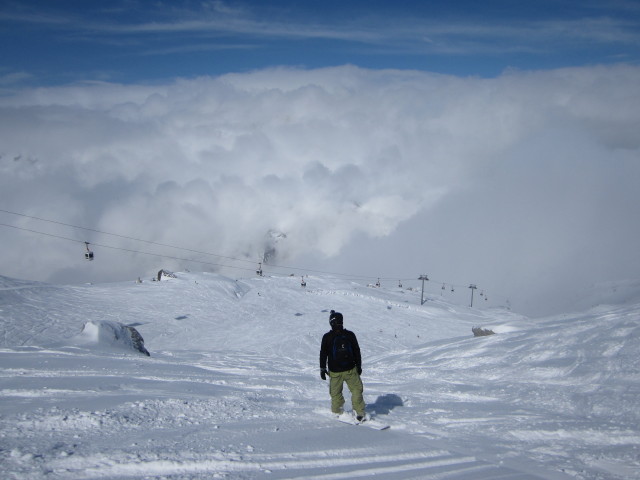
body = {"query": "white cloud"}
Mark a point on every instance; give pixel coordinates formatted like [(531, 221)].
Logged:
[(525, 182)]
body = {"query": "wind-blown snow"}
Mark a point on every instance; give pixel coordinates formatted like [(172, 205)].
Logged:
[(232, 389)]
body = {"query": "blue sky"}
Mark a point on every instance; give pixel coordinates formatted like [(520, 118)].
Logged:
[(130, 41)]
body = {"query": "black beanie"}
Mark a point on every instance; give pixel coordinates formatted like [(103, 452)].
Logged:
[(335, 318)]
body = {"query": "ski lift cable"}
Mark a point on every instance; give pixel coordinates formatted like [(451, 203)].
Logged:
[(171, 257), (310, 270), (175, 247), (42, 233), (409, 278), (124, 249), (271, 267), (124, 236)]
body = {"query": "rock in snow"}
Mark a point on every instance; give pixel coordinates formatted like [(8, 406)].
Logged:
[(112, 334)]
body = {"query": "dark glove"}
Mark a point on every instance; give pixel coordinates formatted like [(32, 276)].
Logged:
[(359, 369), (323, 374)]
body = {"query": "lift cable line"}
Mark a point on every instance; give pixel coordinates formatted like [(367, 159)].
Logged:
[(172, 257), (352, 276), (398, 278), (125, 249), (202, 262), (171, 246), (125, 237)]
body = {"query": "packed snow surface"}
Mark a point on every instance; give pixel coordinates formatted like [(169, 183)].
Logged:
[(232, 386)]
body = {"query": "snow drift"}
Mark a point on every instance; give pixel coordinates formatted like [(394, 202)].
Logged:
[(106, 334)]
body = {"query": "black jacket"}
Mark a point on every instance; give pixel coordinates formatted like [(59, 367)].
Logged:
[(325, 351)]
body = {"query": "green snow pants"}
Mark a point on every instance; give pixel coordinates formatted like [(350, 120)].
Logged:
[(352, 379)]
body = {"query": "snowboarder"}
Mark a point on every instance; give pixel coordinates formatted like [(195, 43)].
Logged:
[(341, 351)]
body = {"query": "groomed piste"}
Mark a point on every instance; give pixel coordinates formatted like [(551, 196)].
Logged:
[(231, 388)]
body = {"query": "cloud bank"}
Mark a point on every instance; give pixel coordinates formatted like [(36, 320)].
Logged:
[(525, 183)]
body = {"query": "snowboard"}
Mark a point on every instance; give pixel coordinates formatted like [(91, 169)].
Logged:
[(367, 422)]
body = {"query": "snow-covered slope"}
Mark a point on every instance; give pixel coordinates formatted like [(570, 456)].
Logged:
[(232, 390)]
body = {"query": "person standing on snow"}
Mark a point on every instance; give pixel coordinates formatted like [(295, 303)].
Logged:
[(340, 349)]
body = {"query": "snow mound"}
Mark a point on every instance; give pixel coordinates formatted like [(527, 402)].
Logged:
[(108, 335)]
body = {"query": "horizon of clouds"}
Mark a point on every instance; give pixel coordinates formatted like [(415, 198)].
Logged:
[(525, 183)]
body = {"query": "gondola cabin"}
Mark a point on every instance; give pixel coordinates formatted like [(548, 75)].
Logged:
[(88, 255)]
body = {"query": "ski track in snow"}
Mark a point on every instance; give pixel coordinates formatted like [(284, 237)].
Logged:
[(232, 387)]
